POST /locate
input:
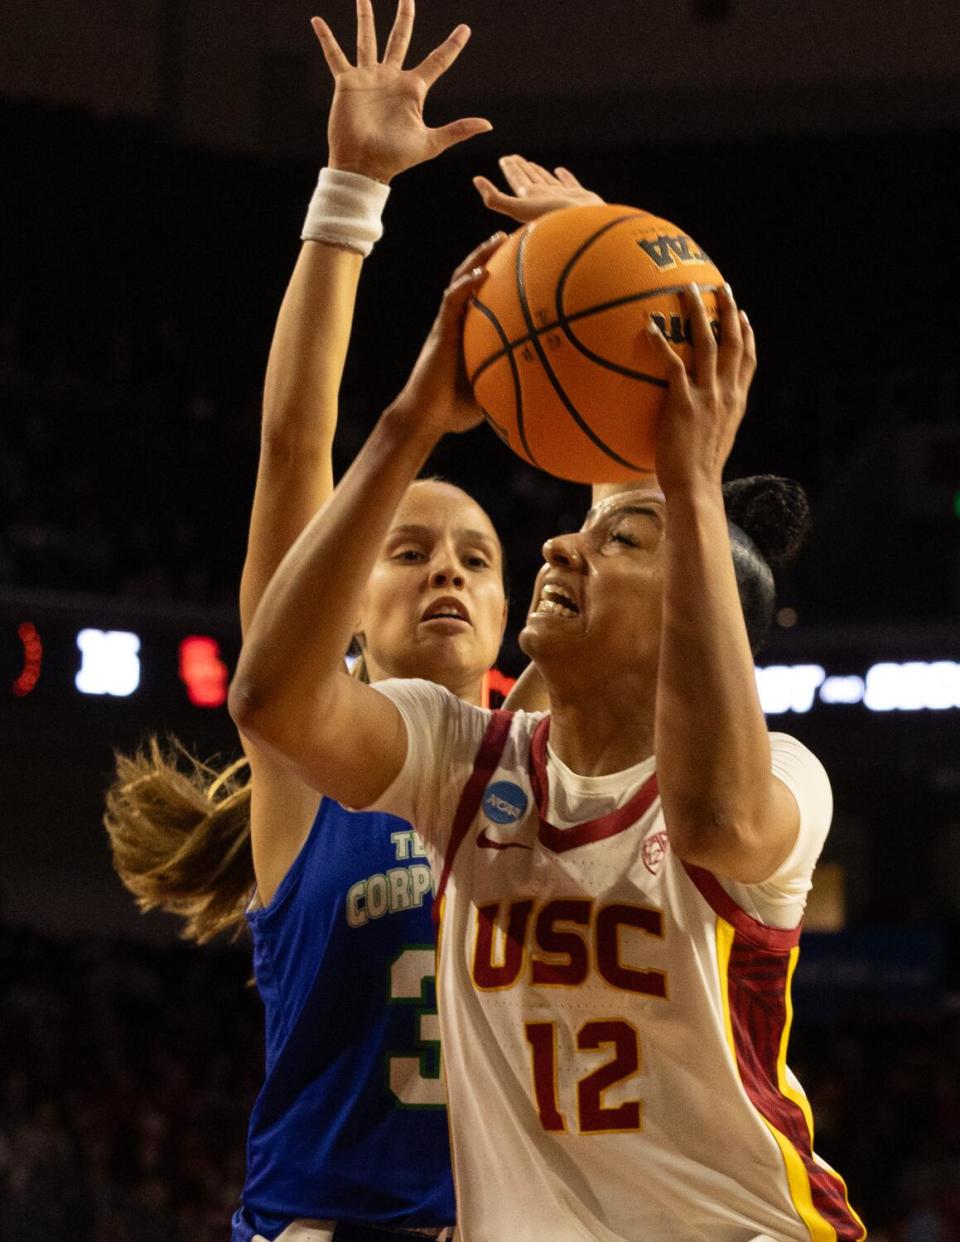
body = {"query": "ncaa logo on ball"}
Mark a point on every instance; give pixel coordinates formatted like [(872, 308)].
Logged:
[(504, 802)]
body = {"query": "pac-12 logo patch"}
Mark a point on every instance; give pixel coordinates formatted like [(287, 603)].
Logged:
[(504, 802), (654, 851)]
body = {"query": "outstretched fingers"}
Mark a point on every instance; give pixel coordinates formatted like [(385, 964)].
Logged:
[(492, 196), (702, 338), (673, 366), (730, 351), (479, 256), (436, 64), (748, 359), (366, 35), (539, 174), (566, 177), (399, 40), (332, 52), (448, 325), (459, 131), (460, 290), (515, 174), (521, 175)]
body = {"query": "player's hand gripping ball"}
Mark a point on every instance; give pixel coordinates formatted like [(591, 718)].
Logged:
[(556, 341)]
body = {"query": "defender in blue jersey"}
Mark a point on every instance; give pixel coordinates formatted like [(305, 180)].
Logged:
[(349, 1128), (350, 1123), (348, 1136)]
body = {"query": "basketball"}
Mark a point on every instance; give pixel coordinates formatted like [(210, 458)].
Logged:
[(556, 345)]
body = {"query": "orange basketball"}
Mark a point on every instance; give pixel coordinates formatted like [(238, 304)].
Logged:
[(556, 343)]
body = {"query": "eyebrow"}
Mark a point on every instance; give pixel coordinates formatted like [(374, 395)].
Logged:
[(477, 536), (412, 530), (640, 510)]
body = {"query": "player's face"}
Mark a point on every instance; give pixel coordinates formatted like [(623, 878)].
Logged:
[(434, 606), (597, 601)]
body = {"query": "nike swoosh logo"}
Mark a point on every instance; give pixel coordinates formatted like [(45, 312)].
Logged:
[(487, 843)]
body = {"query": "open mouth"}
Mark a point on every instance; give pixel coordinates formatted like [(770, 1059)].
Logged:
[(556, 601), (446, 608)]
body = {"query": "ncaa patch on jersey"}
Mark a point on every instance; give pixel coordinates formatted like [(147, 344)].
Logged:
[(504, 802)]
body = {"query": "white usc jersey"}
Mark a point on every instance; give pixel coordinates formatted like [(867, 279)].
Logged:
[(614, 1024)]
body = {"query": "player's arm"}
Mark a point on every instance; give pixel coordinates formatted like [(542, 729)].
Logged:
[(304, 369), (535, 191), (294, 478), (375, 132), (289, 696), (723, 809)]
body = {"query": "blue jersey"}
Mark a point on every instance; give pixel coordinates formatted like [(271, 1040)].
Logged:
[(350, 1123)]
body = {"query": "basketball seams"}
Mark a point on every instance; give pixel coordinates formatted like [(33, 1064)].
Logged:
[(563, 320), (572, 293), (564, 323), (654, 380), (640, 376), (600, 309), (515, 375), (548, 369)]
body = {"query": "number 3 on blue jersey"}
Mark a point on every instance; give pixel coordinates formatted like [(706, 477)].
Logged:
[(415, 1080)]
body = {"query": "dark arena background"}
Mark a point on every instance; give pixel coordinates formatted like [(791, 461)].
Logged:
[(157, 158)]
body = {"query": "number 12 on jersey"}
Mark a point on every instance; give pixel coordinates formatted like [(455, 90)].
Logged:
[(593, 1116)]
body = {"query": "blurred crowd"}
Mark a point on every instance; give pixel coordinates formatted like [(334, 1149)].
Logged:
[(127, 1074), (131, 366), (128, 1071), (112, 463)]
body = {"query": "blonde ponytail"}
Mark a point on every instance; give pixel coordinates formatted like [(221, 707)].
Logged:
[(180, 837)]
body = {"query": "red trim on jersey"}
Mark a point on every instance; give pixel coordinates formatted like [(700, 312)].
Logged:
[(560, 839), (484, 766), (772, 939), (757, 991)]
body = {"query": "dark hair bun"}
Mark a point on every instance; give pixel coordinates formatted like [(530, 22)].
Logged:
[(774, 512)]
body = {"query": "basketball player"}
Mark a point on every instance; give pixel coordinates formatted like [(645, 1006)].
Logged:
[(623, 879), (348, 1137)]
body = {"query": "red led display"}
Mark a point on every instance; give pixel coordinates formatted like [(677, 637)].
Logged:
[(32, 659), (202, 671), (495, 683)]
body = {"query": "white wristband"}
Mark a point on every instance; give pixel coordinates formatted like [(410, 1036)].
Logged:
[(345, 210)]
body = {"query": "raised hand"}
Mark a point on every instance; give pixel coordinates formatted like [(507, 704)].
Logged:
[(376, 124), (703, 411), (535, 191), (437, 395)]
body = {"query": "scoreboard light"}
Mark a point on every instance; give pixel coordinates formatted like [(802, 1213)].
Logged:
[(915, 685), (847, 689), (109, 662), (789, 687), (912, 686), (32, 659), (202, 671), (495, 682), (195, 669)]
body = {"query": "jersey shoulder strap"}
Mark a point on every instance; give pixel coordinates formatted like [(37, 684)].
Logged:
[(484, 766)]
